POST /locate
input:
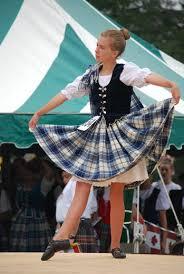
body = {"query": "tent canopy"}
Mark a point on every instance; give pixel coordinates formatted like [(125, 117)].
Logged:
[(44, 45)]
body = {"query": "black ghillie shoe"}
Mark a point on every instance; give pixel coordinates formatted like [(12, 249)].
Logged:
[(118, 253), (55, 246)]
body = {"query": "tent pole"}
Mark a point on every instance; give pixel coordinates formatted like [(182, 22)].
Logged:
[(138, 228)]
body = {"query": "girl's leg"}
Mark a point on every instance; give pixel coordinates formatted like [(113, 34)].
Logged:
[(117, 213), (75, 211), (71, 222)]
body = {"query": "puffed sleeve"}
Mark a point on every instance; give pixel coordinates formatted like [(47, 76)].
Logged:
[(132, 75), (72, 89)]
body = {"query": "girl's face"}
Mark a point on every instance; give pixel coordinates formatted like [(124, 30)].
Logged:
[(167, 172), (103, 52)]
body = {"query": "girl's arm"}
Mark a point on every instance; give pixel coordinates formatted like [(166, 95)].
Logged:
[(53, 103), (71, 91), (158, 80)]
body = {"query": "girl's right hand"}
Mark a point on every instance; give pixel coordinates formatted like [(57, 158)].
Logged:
[(33, 121), (175, 94)]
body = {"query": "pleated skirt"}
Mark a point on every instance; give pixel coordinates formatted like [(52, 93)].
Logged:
[(125, 151)]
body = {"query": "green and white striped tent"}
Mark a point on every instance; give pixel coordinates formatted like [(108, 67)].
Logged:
[(45, 44)]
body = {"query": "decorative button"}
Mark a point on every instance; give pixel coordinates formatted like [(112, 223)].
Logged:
[(103, 96), (103, 89), (103, 109)]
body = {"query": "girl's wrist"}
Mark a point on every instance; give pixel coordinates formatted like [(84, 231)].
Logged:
[(37, 114)]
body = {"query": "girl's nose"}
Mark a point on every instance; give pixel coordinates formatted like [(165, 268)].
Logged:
[(96, 50)]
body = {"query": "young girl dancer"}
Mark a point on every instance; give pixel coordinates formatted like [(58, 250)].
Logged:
[(112, 148)]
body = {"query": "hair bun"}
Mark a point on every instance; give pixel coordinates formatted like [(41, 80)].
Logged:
[(125, 33)]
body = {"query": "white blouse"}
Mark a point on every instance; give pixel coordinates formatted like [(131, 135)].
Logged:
[(162, 202), (132, 75)]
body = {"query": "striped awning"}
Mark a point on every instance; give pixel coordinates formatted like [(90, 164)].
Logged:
[(44, 45)]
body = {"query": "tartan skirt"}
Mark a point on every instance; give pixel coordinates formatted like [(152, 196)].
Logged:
[(97, 152), (86, 237), (3, 239), (30, 231), (104, 235)]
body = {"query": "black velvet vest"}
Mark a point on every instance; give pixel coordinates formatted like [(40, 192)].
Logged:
[(112, 101)]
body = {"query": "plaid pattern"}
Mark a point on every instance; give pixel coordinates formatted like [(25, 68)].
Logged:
[(86, 237), (100, 152), (30, 231), (104, 235), (3, 239), (135, 103), (89, 78)]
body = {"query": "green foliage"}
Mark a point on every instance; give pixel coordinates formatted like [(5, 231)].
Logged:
[(159, 25)]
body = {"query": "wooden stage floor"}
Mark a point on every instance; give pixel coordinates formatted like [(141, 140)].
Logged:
[(77, 263)]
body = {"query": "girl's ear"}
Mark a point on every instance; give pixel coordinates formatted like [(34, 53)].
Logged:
[(115, 53)]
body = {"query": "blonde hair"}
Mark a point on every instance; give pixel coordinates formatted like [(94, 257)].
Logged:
[(118, 37), (167, 160)]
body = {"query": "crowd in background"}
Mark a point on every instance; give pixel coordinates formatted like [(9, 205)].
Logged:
[(154, 204), (35, 206)]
